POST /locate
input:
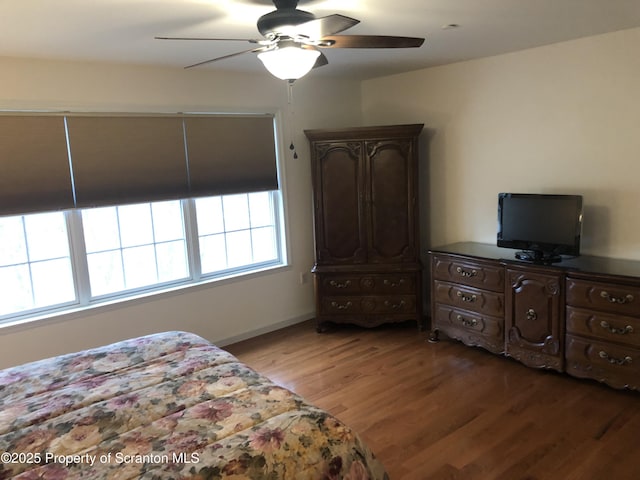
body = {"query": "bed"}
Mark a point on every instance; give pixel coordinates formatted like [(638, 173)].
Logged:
[(167, 406)]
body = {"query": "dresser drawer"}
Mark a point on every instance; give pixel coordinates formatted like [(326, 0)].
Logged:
[(619, 299), (471, 328), (365, 304), (467, 298), (607, 327), (336, 284), (614, 365), (474, 274)]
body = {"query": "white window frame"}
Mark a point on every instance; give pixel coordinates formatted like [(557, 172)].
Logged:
[(84, 299)]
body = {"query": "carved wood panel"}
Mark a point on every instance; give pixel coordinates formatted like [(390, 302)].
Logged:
[(534, 318), (391, 202), (339, 211)]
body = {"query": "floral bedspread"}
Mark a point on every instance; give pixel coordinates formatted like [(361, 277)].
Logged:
[(166, 406)]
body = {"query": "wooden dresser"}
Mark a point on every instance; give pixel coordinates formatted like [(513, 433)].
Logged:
[(580, 316), (365, 187), (603, 330), (468, 300)]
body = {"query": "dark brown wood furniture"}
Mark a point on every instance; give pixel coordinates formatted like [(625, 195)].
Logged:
[(533, 317), (468, 300), (580, 316), (365, 186)]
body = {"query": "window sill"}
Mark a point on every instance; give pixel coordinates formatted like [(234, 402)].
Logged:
[(70, 313)]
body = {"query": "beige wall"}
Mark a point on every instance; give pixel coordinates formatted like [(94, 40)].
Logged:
[(219, 312), (563, 118)]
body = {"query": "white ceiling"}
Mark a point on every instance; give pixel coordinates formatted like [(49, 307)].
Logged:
[(123, 31)]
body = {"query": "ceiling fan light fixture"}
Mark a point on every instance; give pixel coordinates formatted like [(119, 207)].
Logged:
[(289, 61)]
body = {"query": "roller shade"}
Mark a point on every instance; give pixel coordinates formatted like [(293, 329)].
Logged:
[(34, 165), (127, 159), (230, 154), (103, 159)]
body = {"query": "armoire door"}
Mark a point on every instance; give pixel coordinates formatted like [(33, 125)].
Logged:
[(338, 202), (391, 206)]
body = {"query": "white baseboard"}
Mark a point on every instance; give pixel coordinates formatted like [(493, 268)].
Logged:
[(260, 331)]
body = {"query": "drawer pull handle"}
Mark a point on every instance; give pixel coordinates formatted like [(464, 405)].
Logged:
[(466, 322), (532, 315), (613, 299), (344, 284), (394, 306), (341, 306), (391, 283), (617, 331), (466, 273), (466, 298), (615, 361)]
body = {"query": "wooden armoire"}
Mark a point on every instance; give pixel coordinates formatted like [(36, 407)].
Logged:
[(367, 269)]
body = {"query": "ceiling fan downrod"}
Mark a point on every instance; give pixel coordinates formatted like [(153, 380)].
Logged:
[(286, 14), (285, 4)]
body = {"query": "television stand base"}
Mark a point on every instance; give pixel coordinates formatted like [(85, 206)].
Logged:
[(535, 256)]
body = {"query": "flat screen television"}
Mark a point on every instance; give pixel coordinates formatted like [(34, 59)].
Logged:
[(545, 227)]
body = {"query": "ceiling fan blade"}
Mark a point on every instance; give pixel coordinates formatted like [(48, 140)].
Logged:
[(369, 41), (209, 39), (323, 26), (321, 61), (251, 50)]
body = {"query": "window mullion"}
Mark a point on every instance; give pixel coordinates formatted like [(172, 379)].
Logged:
[(79, 261), (154, 244), (122, 248), (279, 225), (250, 228), (26, 244), (225, 233), (191, 235)]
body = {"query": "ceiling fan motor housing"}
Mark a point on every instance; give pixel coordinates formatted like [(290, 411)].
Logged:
[(286, 15)]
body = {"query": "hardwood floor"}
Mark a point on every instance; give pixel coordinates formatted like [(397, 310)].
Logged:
[(447, 411)]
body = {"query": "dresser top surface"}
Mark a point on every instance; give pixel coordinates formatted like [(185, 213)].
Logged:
[(584, 264)]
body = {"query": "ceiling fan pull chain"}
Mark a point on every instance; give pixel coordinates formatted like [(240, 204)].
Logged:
[(291, 115)]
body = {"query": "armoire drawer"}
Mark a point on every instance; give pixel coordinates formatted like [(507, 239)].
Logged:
[(368, 304), (467, 298), (612, 364), (473, 274), (613, 298), (603, 326), (336, 284)]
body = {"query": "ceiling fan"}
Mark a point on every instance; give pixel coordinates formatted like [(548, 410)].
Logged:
[(293, 37)]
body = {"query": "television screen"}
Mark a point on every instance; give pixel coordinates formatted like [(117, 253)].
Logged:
[(544, 226)]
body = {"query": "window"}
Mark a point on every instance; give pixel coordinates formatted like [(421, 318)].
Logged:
[(35, 263), (235, 231), (52, 261), (134, 246)]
